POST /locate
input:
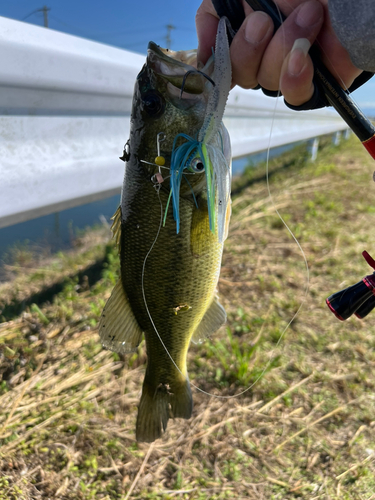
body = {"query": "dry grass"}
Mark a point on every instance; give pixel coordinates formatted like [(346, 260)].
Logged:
[(304, 429)]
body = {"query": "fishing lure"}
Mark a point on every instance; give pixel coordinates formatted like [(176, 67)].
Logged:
[(206, 152)]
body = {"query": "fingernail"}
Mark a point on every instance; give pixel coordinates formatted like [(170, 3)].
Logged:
[(297, 58), (257, 26), (309, 14)]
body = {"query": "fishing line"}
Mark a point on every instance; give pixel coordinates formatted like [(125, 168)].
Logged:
[(192, 71), (156, 330), (307, 283), (285, 329), (337, 74)]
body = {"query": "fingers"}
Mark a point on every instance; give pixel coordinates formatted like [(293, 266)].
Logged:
[(304, 22), (258, 56), (248, 47), (206, 22), (297, 73), (280, 60)]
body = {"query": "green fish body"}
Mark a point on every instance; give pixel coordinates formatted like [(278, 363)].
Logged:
[(167, 287)]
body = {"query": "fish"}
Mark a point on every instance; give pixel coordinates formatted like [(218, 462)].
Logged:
[(171, 225)]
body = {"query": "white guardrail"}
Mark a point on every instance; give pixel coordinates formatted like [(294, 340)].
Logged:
[(64, 117)]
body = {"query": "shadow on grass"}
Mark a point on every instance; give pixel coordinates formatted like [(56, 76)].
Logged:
[(88, 276)]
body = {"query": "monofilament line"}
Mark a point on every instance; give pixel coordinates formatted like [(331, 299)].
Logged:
[(307, 284), (290, 232), (156, 330), (292, 319), (152, 321)]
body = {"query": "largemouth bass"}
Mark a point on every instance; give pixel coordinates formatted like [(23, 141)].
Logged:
[(171, 225)]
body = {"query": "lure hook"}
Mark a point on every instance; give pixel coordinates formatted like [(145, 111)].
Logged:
[(160, 160), (189, 73), (160, 138)]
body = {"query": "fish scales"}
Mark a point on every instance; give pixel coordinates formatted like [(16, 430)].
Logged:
[(168, 280), (173, 273)]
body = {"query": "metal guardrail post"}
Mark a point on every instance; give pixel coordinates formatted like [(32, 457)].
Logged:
[(336, 138), (314, 149)]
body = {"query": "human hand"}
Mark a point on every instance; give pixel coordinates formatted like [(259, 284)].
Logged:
[(278, 62)]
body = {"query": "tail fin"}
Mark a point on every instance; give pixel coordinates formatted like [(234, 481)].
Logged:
[(157, 407)]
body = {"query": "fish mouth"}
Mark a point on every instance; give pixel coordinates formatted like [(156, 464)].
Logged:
[(179, 68)]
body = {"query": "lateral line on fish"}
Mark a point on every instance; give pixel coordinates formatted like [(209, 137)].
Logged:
[(143, 288)]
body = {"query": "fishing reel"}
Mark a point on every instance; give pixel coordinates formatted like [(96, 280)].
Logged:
[(358, 299)]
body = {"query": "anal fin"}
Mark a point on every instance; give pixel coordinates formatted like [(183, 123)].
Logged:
[(213, 319), (118, 328)]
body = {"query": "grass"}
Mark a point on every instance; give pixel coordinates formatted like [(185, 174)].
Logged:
[(303, 425)]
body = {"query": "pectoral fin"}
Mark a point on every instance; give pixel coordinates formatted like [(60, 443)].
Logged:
[(118, 329), (214, 318)]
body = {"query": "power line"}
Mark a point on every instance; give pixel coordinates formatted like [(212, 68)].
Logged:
[(109, 34), (140, 31), (168, 39), (76, 28), (43, 9), (144, 42), (183, 28)]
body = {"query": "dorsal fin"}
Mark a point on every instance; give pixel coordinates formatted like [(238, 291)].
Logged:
[(118, 329)]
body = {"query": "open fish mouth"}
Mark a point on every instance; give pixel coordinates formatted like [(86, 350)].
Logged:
[(178, 68)]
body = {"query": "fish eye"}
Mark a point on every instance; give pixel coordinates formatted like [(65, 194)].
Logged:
[(196, 165), (153, 103)]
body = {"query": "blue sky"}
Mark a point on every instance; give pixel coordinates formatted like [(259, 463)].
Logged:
[(129, 24)]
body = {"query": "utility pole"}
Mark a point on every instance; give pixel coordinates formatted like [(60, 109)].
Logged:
[(45, 10), (168, 39)]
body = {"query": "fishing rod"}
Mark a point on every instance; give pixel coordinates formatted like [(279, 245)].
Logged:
[(325, 83), (358, 299)]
